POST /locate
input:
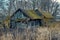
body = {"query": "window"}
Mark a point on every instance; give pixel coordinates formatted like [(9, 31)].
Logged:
[(32, 23), (54, 38)]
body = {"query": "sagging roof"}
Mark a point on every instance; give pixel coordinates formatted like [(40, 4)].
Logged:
[(46, 14), (32, 14)]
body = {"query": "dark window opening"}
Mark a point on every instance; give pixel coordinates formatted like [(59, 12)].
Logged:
[(54, 38)]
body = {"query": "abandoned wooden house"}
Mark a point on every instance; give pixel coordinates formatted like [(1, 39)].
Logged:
[(28, 18), (25, 18)]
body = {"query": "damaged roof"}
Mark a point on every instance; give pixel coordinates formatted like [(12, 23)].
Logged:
[(29, 13), (46, 14), (32, 14)]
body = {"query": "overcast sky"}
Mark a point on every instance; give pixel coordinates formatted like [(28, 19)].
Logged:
[(58, 1)]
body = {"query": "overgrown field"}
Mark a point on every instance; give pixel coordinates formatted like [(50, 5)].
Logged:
[(41, 33)]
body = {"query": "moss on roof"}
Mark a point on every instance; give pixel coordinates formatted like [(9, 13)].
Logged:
[(46, 14), (32, 14)]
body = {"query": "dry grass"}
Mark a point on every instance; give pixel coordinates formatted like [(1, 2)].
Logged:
[(41, 33)]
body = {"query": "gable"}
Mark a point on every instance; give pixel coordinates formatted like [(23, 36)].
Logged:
[(23, 14), (19, 14)]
